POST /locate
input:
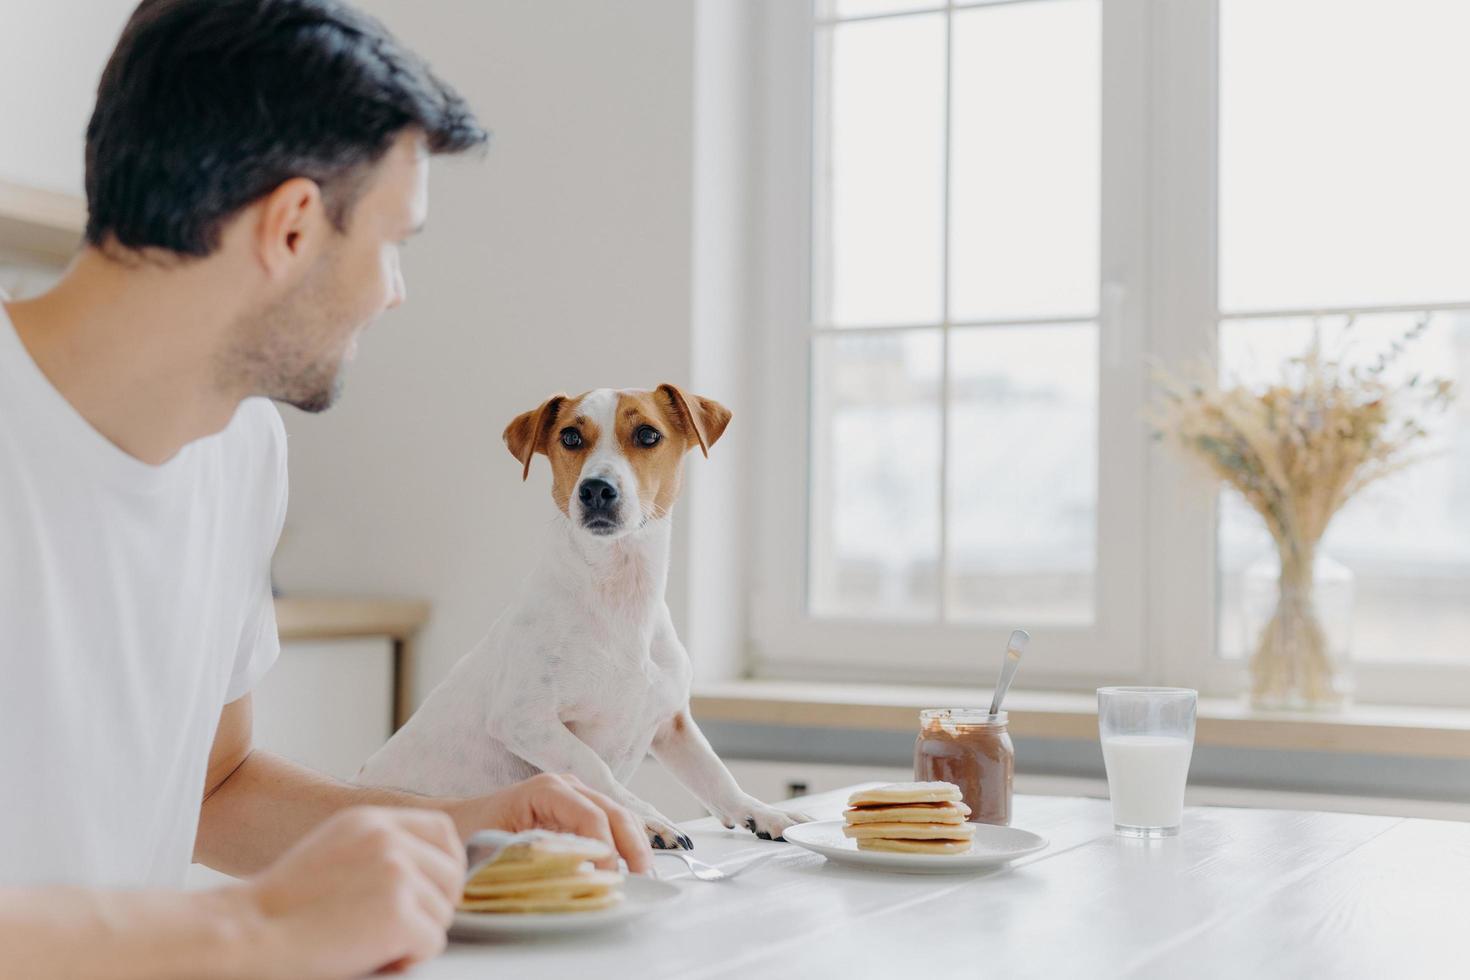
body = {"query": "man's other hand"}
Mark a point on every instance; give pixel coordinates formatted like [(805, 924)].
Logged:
[(561, 803)]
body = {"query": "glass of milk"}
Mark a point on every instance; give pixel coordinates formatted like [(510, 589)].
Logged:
[(1147, 739)]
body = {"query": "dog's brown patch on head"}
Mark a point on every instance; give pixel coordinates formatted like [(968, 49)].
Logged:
[(657, 466), (528, 432), (701, 420), (566, 462), (679, 723), (542, 430), (681, 422)]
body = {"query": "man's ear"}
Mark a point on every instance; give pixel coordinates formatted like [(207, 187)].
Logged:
[(290, 217), (528, 432), (703, 419)]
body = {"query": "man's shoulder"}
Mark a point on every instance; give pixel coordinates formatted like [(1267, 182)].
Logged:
[(261, 415), (257, 424), (256, 440)]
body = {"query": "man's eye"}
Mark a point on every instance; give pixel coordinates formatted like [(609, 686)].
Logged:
[(571, 438), (647, 435)]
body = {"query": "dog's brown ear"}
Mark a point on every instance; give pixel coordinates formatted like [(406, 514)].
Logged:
[(703, 418), (528, 432)]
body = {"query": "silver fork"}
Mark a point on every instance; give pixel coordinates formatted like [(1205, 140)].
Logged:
[(708, 872)]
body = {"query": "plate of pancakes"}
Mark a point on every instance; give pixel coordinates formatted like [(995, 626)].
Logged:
[(914, 827), (549, 884)]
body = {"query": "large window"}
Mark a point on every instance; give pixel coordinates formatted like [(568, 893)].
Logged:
[(1004, 208)]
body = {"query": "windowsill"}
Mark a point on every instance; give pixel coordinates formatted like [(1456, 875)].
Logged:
[(1226, 722)]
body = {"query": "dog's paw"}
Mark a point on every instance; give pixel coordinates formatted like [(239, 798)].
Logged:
[(766, 822), (664, 836)]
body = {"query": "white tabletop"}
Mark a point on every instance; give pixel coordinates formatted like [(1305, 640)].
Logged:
[(1240, 894)]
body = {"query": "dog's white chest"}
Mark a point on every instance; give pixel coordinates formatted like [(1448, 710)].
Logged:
[(618, 721)]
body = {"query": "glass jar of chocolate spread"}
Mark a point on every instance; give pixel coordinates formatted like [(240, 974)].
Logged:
[(972, 749)]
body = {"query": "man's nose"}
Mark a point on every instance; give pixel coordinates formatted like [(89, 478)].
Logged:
[(597, 494), (398, 291)]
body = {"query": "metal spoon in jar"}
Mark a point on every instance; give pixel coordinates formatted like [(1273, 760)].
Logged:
[(1014, 648)]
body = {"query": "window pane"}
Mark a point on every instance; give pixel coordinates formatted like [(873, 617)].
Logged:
[(1023, 473), (1343, 153), (875, 464), (865, 8), (879, 227), (1024, 184), (1406, 540)]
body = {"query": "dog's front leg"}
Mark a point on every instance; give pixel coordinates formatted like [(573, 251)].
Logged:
[(684, 751), (550, 746)]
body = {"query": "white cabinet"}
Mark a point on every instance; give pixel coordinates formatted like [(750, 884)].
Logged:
[(327, 704)]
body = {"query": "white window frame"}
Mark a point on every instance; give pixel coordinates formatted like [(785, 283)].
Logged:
[(1156, 598)]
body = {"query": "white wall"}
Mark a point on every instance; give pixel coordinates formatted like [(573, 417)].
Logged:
[(51, 55), (561, 261)]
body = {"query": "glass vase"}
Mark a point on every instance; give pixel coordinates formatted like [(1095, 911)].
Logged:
[(1298, 622)]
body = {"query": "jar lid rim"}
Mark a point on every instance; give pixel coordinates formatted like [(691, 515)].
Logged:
[(964, 716)]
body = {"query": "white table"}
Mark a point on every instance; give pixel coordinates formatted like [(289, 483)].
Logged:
[(1242, 894)]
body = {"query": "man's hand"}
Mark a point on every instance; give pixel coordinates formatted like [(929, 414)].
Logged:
[(371, 887), (561, 803)]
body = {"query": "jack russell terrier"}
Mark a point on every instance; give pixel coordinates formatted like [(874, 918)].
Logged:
[(584, 672)]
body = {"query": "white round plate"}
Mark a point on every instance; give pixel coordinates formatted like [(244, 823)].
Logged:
[(991, 847), (640, 897)]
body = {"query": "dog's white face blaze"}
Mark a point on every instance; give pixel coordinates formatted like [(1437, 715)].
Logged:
[(603, 459)]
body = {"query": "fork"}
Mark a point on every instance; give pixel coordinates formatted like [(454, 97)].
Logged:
[(708, 872)]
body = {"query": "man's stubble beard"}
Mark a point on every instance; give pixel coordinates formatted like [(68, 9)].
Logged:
[(278, 349)]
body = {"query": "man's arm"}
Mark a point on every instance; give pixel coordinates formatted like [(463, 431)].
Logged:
[(75, 932), (374, 888), (257, 805)]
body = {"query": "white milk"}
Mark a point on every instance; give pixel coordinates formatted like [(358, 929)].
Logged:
[(1146, 775)]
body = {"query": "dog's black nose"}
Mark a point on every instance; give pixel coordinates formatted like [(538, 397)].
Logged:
[(598, 495)]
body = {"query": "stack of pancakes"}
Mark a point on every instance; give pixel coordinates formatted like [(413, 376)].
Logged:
[(549, 873), (915, 818)]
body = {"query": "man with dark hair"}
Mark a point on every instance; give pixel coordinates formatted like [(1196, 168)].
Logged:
[(252, 168)]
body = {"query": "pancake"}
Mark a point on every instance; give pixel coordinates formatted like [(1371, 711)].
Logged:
[(906, 793), (542, 855), (921, 813), (910, 831), (583, 883), (543, 873), (914, 846), (549, 866), (541, 904)]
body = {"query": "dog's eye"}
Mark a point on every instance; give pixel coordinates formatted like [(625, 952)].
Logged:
[(571, 438), (647, 435)]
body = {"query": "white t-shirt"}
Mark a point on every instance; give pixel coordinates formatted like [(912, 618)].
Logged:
[(134, 604)]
